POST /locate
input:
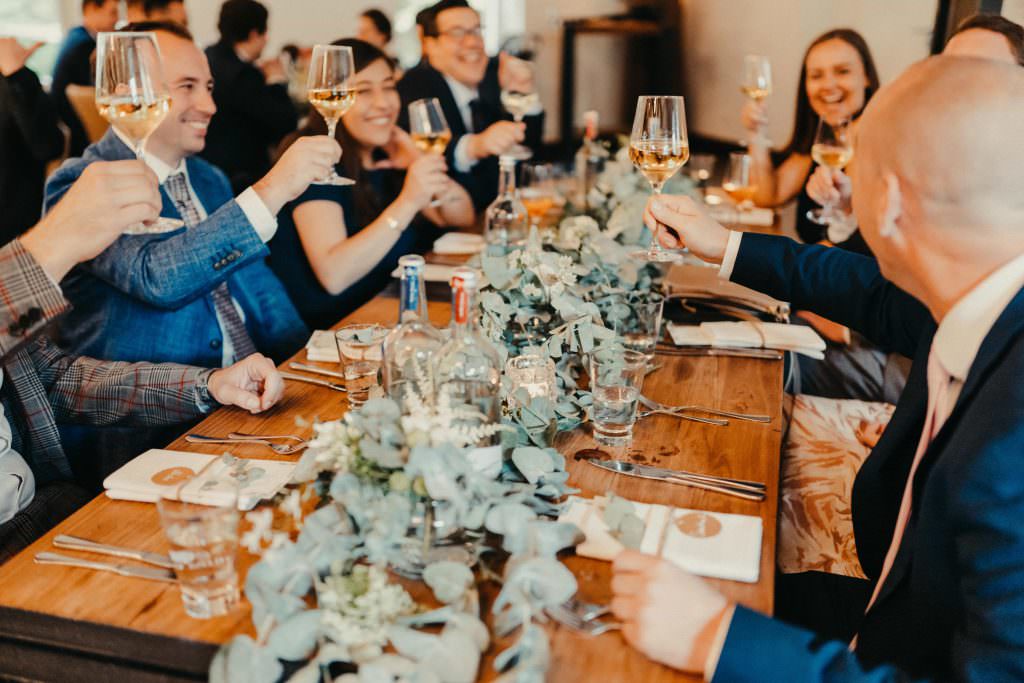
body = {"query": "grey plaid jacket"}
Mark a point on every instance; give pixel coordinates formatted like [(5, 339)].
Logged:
[(44, 385)]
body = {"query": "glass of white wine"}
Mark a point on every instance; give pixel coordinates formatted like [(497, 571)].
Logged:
[(429, 130), (330, 92), (737, 183), (519, 104), (658, 147), (132, 95), (833, 149), (757, 77)]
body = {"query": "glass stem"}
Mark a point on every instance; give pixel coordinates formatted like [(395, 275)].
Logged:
[(655, 247), (332, 128), (428, 526)]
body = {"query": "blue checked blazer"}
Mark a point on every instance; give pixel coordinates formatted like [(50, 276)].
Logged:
[(148, 297), (44, 386)]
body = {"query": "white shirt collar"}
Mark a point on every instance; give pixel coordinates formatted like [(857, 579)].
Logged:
[(463, 95), (968, 322), (161, 169)]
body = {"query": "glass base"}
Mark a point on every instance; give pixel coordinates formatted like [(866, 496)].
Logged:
[(206, 604), (410, 560), (160, 225), (519, 153), (660, 256), (334, 179), (615, 438)]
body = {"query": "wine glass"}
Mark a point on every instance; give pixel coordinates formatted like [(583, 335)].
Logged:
[(832, 148), (701, 167), (537, 190), (519, 104), (737, 183), (757, 82), (658, 147), (429, 130), (132, 95), (329, 91)]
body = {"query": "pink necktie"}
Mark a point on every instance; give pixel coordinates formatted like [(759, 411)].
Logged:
[(939, 408)]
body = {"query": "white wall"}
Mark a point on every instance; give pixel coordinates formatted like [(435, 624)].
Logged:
[(717, 34)]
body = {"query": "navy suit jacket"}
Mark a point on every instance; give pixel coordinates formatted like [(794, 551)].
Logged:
[(423, 81), (952, 608), (148, 297)]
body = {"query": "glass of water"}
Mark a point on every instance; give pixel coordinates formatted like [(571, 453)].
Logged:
[(533, 372), (204, 543), (361, 353), (636, 320), (616, 378)]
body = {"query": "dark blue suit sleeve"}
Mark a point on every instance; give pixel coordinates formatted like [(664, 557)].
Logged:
[(841, 286)]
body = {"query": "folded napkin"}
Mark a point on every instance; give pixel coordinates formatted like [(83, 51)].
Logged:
[(750, 335), (321, 347), (432, 272), (158, 473), (456, 243), (713, 544)]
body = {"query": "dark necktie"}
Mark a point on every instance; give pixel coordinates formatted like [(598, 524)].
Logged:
[(476, 115), (241, 342)]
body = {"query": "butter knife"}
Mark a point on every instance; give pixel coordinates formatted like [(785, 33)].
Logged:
[(295, 365), (747, 490), (151, 573), (312, 380), (75, 543)]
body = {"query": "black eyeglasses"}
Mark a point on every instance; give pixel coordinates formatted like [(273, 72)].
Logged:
[(459, 34)]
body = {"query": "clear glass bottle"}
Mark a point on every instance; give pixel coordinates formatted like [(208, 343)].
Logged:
[(590, 158), (506, 220), (468, 363), (409, 348)]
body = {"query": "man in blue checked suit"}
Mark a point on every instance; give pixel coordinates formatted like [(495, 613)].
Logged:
[(201, 294), (938, 505)]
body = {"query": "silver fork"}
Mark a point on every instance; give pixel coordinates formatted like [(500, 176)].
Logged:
[(280, 449), (587, 611), (661, 407), (574, 621)]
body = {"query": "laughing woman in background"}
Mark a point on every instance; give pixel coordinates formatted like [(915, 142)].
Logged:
[(336, 246)]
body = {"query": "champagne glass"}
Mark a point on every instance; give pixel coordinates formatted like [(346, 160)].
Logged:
[(757, 82), (737, 182), (429, 130), (330, 92), (832, 148), (132, 95), (658, 147), (537, 190), (519, 104)]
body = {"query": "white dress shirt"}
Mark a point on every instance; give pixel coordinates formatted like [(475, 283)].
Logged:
[(256, 212), (17, 485)]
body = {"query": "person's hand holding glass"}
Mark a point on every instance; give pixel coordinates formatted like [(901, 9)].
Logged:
[(429, 130), (756, 85), (832, 149), (519, 96), (132, 95), (330, 92), (658, 147)]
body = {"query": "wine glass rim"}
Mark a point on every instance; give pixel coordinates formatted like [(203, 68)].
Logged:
[(126, 34), (332, 48), (661, 97)]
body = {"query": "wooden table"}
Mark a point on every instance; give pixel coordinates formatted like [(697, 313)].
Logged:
[(59, 623)]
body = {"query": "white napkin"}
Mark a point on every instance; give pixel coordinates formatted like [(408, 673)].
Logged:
[(157, 473), (457, 243), (432, 272), (745, 334), (321, 347), (713, 544)]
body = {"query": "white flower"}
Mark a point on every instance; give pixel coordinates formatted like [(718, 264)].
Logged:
[(292, 505), (260, 531), (531, 290)]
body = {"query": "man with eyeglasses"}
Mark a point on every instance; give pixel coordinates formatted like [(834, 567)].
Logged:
[(457, 71)]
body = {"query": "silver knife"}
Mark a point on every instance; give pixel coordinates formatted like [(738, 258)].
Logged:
[(295, 365), (312, 380), (150, 573), (75, 543), (730, 487)]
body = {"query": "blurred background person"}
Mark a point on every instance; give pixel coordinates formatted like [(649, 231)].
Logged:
[(29, 138), (374, 28), (336, 247), (74, 65), (157, 10), (254, 110)]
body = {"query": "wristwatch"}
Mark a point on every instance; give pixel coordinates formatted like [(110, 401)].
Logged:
[(204, 400)]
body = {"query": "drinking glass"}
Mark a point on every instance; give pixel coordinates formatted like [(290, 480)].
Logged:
[(330, 92), (616, 378), (832, 148), (640, 328), (519, 104), (429, 130), (204, 543), (361, 353), (702, 166), (658, 147), (132, 95), (757, 77), (737, 181), (533, 372), (537, 190)]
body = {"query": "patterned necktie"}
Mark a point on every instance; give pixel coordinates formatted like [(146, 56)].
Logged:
[(242, 343)]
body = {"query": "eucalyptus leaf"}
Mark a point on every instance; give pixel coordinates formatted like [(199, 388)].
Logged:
[(533, 462), (294, 639), (311, 673), (243, 660), (448, 580)]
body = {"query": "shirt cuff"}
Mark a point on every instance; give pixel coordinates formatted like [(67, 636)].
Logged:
[(463, 164), (711, 663), (263, 222), (732, 248)]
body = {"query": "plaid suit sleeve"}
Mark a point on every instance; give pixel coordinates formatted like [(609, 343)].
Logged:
[(29, 299), (89, 391)]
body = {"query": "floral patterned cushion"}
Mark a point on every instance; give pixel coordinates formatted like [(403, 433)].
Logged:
[(827, 441)]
